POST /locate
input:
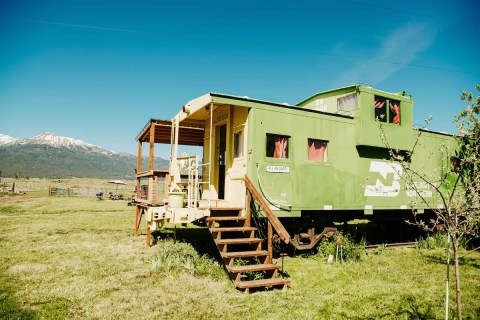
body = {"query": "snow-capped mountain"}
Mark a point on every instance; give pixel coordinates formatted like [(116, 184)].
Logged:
[(50, 155), (5, 139), (53, 140)]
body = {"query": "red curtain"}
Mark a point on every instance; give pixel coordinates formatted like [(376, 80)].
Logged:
[(316, 150), (395, 108), (280, 148), (379, 103)]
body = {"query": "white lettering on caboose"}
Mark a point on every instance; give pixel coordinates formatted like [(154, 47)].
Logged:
[(383, 188)]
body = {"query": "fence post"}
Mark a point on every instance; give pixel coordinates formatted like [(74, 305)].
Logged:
[(13, 188)]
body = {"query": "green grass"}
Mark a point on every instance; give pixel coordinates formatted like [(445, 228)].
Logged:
[(77, 258)]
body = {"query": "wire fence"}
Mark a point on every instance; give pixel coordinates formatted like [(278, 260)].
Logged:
[(87, 192), (6, 187)]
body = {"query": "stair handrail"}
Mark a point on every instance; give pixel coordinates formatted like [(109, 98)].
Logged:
[(272, 218)]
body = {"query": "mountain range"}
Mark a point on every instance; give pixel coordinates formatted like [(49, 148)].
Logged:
[(51, 156)]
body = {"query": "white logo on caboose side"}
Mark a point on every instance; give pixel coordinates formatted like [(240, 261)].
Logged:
[(380, 189)]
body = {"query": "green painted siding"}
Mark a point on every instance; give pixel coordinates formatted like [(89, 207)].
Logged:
[(355, 175)]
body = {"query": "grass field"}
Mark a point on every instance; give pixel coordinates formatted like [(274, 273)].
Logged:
[(77, 258), (39, 187)]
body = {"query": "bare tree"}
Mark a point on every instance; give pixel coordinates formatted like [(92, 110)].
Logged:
[(456, 185)]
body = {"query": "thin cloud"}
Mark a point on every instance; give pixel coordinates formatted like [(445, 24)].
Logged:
[(87, 27), (395, 52)]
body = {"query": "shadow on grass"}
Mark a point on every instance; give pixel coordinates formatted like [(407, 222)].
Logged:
[(415, 308), (409, 307), (465, 261), (434, 258), (471, 262), (9, 307)]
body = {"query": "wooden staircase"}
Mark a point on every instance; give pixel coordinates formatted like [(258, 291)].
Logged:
[(248, 265)]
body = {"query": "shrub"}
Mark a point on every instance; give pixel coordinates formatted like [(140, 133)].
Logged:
[(173, 258), (437, 241), (348, 249)]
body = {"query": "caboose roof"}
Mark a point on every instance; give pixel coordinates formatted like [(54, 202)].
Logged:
[(402, 96), (191, 132), (191, 125), (220, 98)]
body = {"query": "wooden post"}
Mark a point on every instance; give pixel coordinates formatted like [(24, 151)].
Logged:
[(139, 159), (148, 233), (150, 189), (138, 189), (270, 238), (151, 155), (139, 168), (13, 188), (249, 210), (137, 216)]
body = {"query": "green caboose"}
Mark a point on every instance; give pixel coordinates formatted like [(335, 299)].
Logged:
[(324, 159)]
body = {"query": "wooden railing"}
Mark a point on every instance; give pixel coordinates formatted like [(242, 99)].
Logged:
[(272, 218), (147, 193)]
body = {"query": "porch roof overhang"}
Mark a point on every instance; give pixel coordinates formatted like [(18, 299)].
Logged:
[(191, 133)]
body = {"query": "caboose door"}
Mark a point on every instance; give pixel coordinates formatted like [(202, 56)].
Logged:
[(222, 148)]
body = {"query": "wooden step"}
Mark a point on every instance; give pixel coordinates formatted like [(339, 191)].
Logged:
[(232, 229), (238, 241), (228, 218), (226, 209), (253, 267), (244, 254), (261, 283)]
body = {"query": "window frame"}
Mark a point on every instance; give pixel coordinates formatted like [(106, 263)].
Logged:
[(288, 147), (326, 156), (239, 146), (388, 111)]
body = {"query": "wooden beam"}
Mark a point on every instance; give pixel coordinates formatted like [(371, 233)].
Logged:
[(139, 159), (248, 222), (148, 234), (151, 155), (150, 189), (137, 194), (157, 173), (138, 217), (270, 239), (279, 228)]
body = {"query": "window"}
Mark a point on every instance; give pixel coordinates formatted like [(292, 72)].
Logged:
[(387, 110), (277, 146), (380, 109), (347, 103), (238, 144), (317, 150), (394, 112)]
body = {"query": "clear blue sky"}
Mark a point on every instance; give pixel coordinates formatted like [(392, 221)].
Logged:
[(99, 70)]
